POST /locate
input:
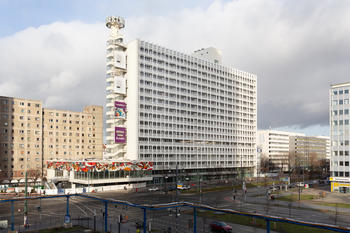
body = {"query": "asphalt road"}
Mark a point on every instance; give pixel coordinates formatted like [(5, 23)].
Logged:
[(83, 210)]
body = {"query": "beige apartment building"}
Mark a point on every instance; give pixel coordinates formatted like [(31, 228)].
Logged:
[(31, 134), (21, 136), (72, 135), (308, 150)]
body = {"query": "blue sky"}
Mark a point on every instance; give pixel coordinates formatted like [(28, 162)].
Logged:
[(54, 51), (16, 15)]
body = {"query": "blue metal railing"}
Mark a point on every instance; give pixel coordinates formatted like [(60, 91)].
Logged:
[(267, 218)]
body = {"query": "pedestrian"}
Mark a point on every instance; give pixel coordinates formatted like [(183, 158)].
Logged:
[(26, 221), (138, 230), (234, 197)]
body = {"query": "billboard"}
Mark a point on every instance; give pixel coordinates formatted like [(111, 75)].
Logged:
[(120, 135), (120, 85), (120, 59), (120, 110)]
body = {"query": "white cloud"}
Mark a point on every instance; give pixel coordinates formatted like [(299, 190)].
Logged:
[(297, 49), (60, 63)]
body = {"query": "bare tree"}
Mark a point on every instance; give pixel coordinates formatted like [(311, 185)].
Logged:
[(294, 166), (264, 164), (264, 167), (3, 176), (34, 175)]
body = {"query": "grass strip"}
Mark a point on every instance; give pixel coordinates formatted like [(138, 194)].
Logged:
[(339, 205), (260, 223)]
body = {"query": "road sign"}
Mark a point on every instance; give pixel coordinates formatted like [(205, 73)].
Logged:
[(67, 219)]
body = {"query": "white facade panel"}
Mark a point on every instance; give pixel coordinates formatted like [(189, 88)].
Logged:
[(120, 85), (132, 124), (120, 59), (339, 118)]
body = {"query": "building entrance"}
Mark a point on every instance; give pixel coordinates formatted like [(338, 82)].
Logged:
[(344, 189)]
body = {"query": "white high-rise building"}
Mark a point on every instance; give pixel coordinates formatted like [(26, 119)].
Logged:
[(178, 110), (282, 148), (274, 145), (339, 123)]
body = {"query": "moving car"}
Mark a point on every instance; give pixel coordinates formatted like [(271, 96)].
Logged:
[(153, 189), (184, 187), (220, 227)]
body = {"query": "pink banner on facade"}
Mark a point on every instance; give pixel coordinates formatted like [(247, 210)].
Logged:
[(120, 135)]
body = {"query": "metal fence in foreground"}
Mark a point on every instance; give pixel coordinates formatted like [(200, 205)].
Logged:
[(106, 224)]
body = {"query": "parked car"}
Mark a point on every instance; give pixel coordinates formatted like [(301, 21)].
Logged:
[(220, 227), (153, 189), (171, 188), (174, 211)]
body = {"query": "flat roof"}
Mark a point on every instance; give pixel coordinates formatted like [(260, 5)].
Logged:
[(340, 85), (16, 98)]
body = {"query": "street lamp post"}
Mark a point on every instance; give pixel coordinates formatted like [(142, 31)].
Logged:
[(200, 190), (25, 211), (165, 183), (177, 180), (26, 192)]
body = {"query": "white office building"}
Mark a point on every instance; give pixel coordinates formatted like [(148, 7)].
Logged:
[(274, 145), (340, 137), (328, 146), (282, 149), (178, 110)]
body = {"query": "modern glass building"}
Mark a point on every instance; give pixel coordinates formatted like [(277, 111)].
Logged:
[(340, 137), (177, 110)]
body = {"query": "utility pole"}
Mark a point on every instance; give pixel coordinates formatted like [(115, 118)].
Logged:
[(177, 180), (26, 187), (165, 184), (200, 190), (25, 218), (177, 197), (233, 190)]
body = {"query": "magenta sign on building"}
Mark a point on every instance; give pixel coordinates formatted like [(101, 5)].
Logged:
[(120, 135)]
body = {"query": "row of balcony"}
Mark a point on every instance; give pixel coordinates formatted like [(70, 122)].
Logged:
[(189, 75)]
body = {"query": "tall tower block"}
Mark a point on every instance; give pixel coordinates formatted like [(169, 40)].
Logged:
[(116, 85)]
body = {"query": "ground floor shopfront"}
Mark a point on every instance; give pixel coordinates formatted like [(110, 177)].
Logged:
[(340, 187), (98, 175), (195, 176), (340, 184)]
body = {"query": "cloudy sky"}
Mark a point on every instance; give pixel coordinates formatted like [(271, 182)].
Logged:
[(55, 50)]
